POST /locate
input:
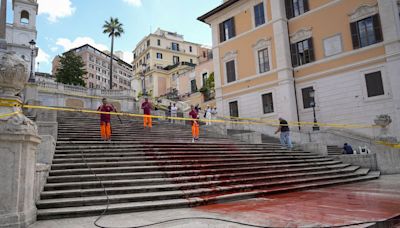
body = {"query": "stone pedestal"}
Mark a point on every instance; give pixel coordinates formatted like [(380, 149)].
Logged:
[(18, 139)]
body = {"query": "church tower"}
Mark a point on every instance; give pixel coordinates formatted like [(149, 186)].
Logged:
[(23, 29)]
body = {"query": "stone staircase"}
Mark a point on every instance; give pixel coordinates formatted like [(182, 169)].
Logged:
[(334, 151), (160, 169)]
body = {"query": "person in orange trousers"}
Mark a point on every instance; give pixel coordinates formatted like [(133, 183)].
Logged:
[(195, 124), (105, 120), (146, 106)]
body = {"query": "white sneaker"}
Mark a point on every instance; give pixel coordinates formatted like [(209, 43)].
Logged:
[(192, 140)]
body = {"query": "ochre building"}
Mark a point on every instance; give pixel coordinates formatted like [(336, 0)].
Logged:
[(280, 58)]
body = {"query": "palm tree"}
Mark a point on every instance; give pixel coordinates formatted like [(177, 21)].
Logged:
[(114, 29)]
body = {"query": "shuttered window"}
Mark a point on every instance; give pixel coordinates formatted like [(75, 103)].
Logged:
[(230, 71), (366, 32), (374, 84), (302, 52), (307, 99), (227, 29), (259, 15), (193, 86), (268, 103), (263, 60), (295, 8), (233, 109)]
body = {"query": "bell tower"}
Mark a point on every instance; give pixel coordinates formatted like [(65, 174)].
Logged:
[(25, 12)]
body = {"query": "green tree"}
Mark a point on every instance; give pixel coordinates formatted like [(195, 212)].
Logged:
[(71, 70), (114, 29)]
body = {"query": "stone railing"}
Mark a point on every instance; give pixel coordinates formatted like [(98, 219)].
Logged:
[(83, 90), (61, 95)]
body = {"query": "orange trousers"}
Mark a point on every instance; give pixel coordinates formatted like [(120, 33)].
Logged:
[(105, 129), (147, 121), (195, 130)]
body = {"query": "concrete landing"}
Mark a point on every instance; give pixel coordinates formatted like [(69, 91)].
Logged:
[(372, 200)]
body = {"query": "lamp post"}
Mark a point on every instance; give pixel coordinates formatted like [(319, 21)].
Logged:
[(144, 66), (312, 104), (32, 44)]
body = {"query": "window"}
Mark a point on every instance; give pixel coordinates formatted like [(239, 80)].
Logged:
[(204, 77), (159, 42), (191, 60), (24, 17), (159, 56), (134, 55), (374, 84), (263, 61), (268, 103), (204, 54), (295, 8), (193, 86), (175, 46), (230, 71), (366, 32), (148, 43), (259, 16), (302, 52), (227, 30), (148, 56), (307, 98), (233, 109), (190, 48), (175, 59)]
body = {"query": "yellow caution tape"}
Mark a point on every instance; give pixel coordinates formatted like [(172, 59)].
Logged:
[(10, 103), (294, 123), (9, 114), (393, 145)]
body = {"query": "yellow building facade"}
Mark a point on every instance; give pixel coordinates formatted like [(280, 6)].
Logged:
[(282, 58), (164, 55)]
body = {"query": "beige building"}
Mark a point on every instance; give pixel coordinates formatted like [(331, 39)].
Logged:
[(97, 65), (165, 55), (190, 83), (280, 58)]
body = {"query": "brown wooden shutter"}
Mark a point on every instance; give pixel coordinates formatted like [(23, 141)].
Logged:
[(377, 27), (221, 32), (306, 6), (289, 8), (293, 50), (311, 49), (354, 35), (233, 27)]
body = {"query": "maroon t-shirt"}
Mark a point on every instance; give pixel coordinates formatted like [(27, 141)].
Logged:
[(146, 106), (194, 115), (105, 117)]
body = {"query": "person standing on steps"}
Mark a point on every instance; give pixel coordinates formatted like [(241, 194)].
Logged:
[(208, 115), (174, 113), (285, 134), (146, 106), (195, 124), (105, 120)]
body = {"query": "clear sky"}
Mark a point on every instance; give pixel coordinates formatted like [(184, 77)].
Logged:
[(65, 24)]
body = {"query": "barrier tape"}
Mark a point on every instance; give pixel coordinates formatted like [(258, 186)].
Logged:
[(9, 114), (270, 123), (392, 145), (295, 124), (10, 103)]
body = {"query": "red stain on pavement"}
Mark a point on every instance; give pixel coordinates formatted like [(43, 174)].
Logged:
[(346, 204)]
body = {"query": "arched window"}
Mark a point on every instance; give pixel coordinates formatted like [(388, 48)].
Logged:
[(24, 17)]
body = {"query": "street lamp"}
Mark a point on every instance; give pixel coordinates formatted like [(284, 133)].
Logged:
[(144, 66), (32, 44), (312, 104)]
